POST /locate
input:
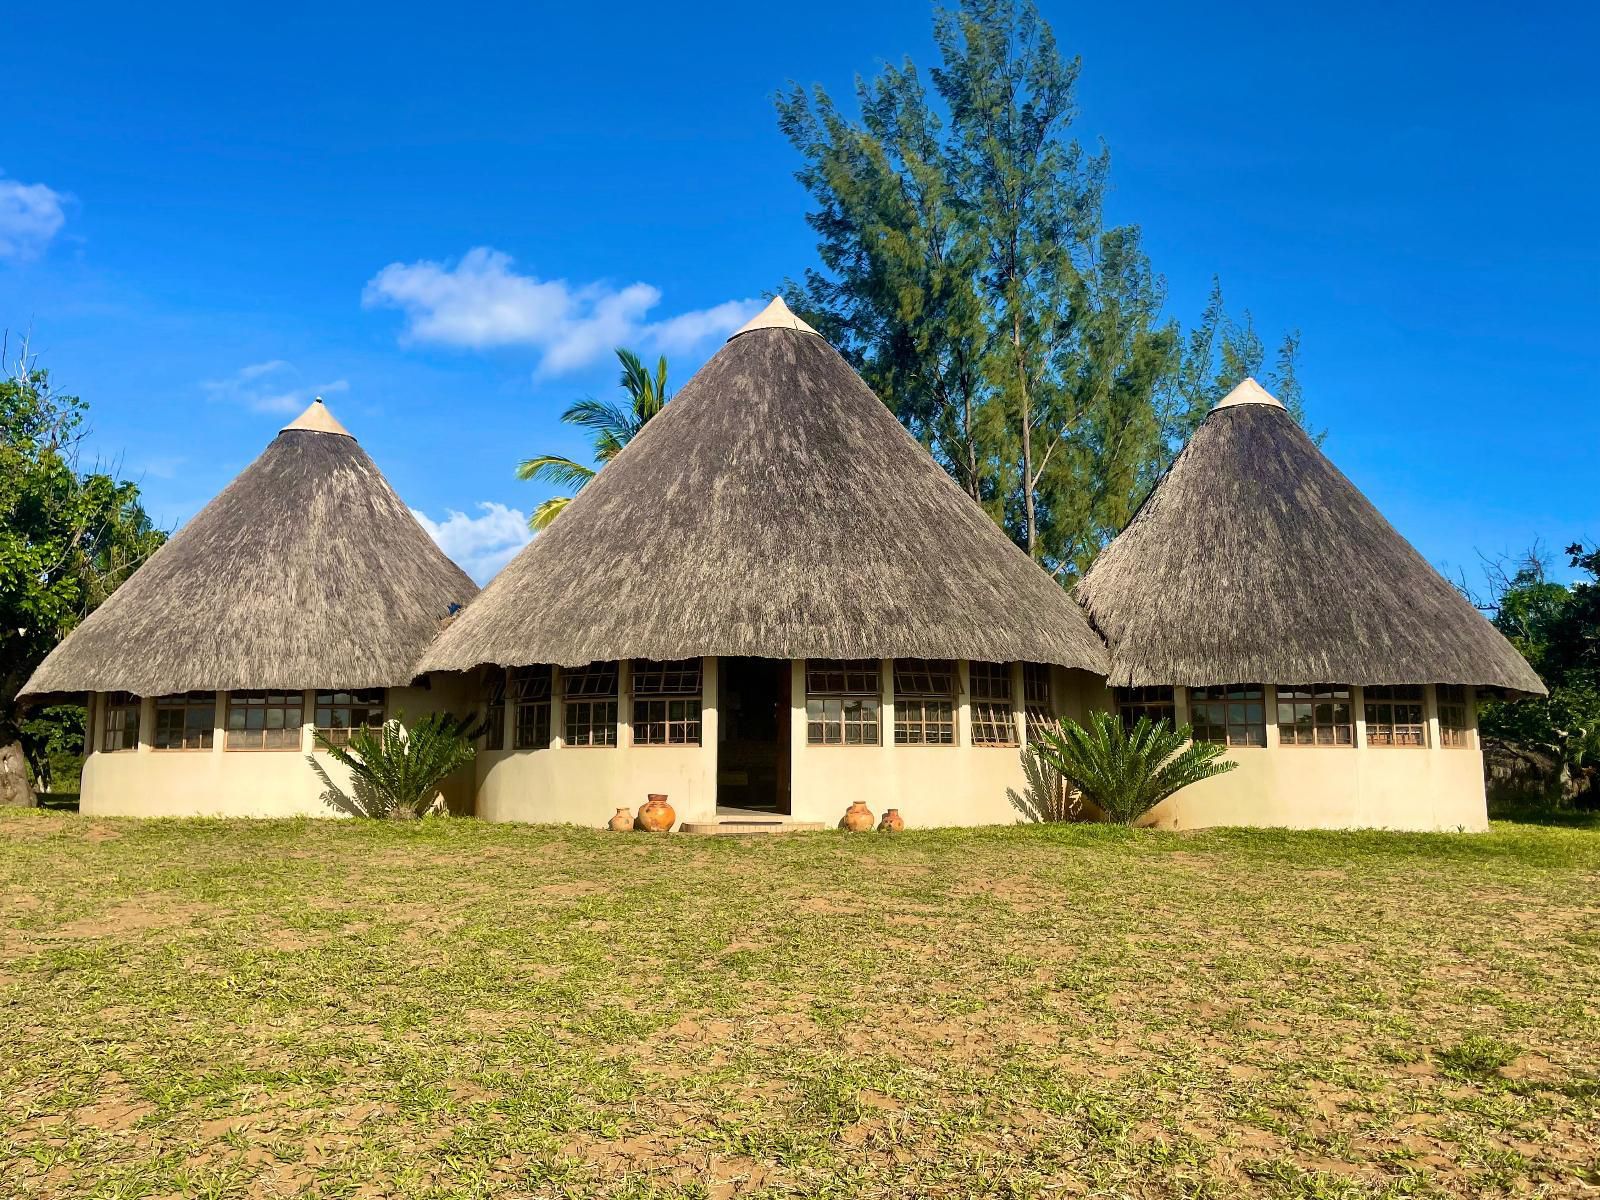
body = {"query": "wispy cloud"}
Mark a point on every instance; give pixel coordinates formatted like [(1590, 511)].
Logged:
[(481, 301), (31, 215), (479, 545), (269, 387)]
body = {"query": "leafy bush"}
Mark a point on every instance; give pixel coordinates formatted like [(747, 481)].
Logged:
[(398, 770), (1127, 772), (1477, 1056), (1048, 798)]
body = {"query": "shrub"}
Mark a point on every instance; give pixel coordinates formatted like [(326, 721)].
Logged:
[(1048, 798), (398, 770), (1477, 1056), (1127, 772)]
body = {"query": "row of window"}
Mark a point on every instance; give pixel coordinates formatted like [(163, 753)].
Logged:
[(253, 721), (1308, 714), (666, 705)]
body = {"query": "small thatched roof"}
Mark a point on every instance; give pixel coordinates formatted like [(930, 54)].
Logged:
[(306, 572), (1254, 560), (775, 509)]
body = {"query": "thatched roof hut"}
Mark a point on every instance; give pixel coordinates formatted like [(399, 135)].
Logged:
[(307, 571), (1256, 560), (774, 509)]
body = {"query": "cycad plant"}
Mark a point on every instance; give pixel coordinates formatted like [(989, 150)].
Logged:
[(398, 770), (612, 425), (1127, 772)]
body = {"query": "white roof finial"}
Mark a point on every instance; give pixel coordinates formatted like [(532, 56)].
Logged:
[(318, 419), (774, 316), (1249, 392)]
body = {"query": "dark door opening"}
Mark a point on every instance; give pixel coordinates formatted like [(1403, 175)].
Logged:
[(753, 734)]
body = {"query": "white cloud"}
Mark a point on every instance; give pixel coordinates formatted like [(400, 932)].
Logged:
[(31, 214), (482, 301), (479, 545), (270, 387)]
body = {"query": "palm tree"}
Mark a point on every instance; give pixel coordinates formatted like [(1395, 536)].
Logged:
[(1127, 772), (612, 425)]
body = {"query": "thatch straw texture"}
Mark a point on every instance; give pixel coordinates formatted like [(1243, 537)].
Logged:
[(1255, 560), (776, 509), (306, 572)]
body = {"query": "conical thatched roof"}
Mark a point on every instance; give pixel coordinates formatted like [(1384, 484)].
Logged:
[(777, 509), (306, 572), (1254, 560)]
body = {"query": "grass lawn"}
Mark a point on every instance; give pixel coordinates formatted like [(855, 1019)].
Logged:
[(455, 1009)]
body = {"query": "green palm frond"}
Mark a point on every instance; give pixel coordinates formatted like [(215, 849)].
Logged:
[(553, 468), (612, 425), (547, 512), (398, 770), (1127, 772)]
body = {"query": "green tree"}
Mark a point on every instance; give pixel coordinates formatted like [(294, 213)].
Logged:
[(969, 272), (612, 426), (68, 537)]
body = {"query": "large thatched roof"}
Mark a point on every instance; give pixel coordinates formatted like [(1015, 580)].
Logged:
[(777, 509), (306, 572), (1255, 560)]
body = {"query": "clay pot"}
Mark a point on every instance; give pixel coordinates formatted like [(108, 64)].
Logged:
[(892, 821), (622, 822), (857, 818), (657, 816)]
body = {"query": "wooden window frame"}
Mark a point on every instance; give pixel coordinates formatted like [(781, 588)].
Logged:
[(119, 705), (1319, 704), (1224, 699), (844, 702), (1038, 698), (1382, 708), (666, 701), (993, 710), (1456, 732), (271, 700), (356, 700), (494, 713), (185, 704), (531, 694), (926, 695), (1158, 702), (589, 718)]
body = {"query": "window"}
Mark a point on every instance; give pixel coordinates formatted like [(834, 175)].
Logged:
[(1455, 715), (924, 702), (591, 705), (1394, 716), (339, 714), (186, 722), (265, 720), (530, 693), (1156, 703), (1038, 704), (1232, 714), (494, 713), (122, 722), (994, 720), (1315, 715), (666, 703), (843, 702)]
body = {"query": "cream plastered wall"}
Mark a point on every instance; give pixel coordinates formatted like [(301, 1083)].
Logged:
[(147, 782), (1353, 787), (585, 785)]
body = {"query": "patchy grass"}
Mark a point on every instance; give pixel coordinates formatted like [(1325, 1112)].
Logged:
[(457, 1009)]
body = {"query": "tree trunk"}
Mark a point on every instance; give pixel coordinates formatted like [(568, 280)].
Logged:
[(1027, 440), (16, 789)]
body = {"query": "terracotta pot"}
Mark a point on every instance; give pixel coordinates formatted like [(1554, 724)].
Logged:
[(657, 815), (622, 822), (857, 818), (892, 821)]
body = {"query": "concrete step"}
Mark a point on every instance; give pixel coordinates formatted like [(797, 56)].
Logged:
[(753, 824)]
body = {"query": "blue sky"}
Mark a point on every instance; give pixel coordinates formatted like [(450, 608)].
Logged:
[(443, 219)]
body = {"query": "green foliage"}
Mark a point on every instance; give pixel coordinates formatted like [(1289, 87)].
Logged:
[(611, 425), (67, 538), (969, 272), (1477, 1056), (398, 770), (55, 735), (1047, 797), (1127, 772)]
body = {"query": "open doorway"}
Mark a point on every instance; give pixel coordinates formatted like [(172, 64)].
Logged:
[(753, 734)]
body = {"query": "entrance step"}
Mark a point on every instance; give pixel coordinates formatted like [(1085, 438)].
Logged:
[(753, 823)]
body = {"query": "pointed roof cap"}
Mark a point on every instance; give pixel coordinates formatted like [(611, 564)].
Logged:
[(1249, 392), (318, 419), (775, 315)]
